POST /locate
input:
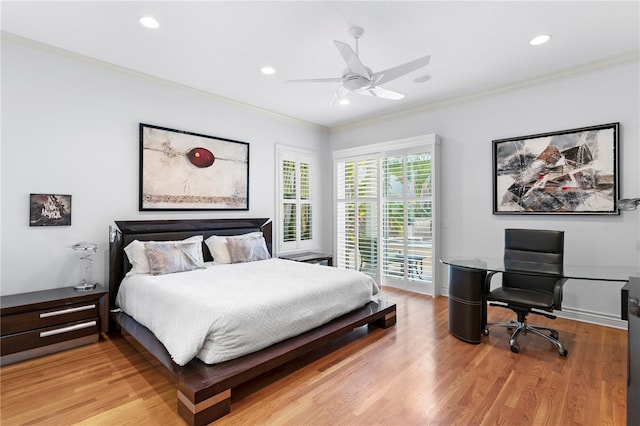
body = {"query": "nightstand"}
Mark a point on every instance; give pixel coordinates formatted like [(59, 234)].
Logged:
[(310, 257), (43, 322)]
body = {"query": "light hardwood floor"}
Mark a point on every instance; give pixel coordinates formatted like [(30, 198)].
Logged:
[(415, 373)]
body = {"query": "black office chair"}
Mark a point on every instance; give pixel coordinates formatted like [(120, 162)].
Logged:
[(527, 254)]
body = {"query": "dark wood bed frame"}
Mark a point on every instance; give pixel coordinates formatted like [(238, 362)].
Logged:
[(204, 391)]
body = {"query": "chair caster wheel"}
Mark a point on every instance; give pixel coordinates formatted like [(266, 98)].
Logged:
[(515, 349), (485, 332), (564, 353)]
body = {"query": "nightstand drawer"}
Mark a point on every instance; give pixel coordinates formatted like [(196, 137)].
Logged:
[(47, 336), (48, 317)]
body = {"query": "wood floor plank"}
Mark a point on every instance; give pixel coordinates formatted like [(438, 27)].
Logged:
[(414, 373)]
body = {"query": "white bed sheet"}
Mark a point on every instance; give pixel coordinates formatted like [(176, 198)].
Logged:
[(226, 311)]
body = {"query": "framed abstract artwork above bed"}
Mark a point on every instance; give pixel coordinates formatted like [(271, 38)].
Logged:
[(566, 172), (181, 170)]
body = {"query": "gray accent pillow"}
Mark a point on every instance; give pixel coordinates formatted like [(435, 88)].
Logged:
[(169, 258), (247, 250), (218, 245)]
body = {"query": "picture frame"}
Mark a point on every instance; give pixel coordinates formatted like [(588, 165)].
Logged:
[(49, 210), (568, 172), (181, 170)]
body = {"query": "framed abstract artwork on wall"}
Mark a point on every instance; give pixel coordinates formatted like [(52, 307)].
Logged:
[(49, 210), (181, 170), (566, 172)]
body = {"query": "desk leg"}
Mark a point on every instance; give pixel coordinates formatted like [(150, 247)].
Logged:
[(467, 308)]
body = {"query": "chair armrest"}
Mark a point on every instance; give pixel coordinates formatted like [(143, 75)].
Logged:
[(557, 293), (487, 281)]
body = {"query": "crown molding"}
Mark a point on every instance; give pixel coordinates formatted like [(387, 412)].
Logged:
[(123, 70), (628, 57), (612, 61)]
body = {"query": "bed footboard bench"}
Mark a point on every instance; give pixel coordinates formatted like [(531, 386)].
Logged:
[(204, 391)]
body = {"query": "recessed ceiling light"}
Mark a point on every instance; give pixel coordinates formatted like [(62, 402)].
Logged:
[(422, 78), (541, 39), (149, 22), (344, 101), (268, 70)]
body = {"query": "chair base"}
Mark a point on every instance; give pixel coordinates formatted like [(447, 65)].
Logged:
[(522, 328)]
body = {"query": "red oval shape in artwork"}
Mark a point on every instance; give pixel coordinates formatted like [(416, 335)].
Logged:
[(201, 157)]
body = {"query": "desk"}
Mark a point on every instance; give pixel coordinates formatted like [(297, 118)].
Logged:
[(467, 275)]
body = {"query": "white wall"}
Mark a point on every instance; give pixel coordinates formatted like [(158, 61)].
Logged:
[(70, 126), (467, 129)]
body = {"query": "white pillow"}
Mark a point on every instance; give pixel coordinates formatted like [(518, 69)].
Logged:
[(218, 245), (138, 257), (247, 249)]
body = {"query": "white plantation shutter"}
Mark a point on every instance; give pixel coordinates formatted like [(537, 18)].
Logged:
[(407, 219), (386, 221), (295, 199), (357, 208)]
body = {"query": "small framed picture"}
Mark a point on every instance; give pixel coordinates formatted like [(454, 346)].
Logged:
[(49, 210)]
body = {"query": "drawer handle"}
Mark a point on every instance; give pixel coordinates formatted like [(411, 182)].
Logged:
[(67, 311), (68, 329)]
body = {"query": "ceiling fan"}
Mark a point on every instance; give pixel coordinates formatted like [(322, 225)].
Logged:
[(358, 78)]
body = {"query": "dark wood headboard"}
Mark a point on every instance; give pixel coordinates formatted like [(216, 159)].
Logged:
[(125, 232)]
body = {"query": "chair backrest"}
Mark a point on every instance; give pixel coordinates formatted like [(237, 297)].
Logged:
[(534, 250)]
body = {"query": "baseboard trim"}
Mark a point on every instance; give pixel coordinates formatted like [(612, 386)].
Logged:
[(598, 318), (582, 315)]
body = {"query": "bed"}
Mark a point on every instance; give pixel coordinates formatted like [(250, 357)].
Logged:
[(204, 390)]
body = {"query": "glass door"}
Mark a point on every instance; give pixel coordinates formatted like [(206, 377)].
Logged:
[(386, 212), (406, 253), (357, 214)]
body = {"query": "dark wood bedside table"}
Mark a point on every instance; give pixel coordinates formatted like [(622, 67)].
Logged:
[(47, 321), (310, 257)]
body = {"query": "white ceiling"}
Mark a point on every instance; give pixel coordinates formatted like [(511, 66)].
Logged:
[(219, 46)]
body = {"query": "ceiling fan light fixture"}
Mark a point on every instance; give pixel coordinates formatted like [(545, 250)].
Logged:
[(268, 70), (540, 39), (360, 79), (149, 22)]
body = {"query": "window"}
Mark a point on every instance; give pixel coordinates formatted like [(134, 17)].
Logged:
[(295, 222), (357, 209), (386, 221)]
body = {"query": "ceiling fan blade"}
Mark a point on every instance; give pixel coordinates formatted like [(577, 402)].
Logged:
[(339, 94), (400, 70), (318, 80), (352, 60), (380, 92)]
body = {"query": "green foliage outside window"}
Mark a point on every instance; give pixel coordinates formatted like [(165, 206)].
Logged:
[(289, 222), (289, 180)]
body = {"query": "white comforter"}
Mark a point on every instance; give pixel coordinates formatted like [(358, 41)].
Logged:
[(226, 311)]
